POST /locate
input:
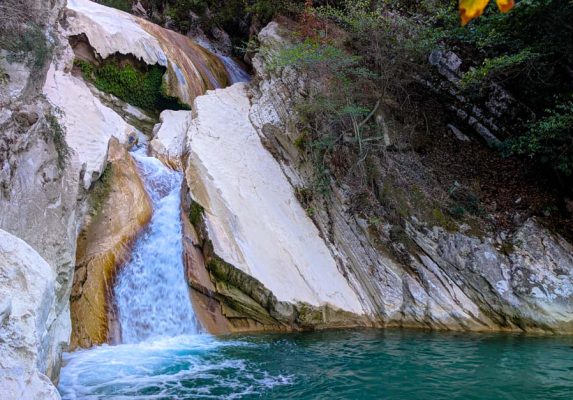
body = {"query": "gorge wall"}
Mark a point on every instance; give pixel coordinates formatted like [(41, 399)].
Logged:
[(445, 278)]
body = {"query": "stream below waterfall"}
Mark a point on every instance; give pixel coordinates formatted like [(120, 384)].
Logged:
[(393, 364)]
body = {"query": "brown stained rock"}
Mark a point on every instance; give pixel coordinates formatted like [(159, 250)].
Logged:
[(104, 245), (202, 70), (207, 309)]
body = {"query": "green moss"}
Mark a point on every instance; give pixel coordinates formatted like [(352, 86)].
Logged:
[(300, 142), (142, 88), (308, 315), (196, 212), (310, 211), (57, 134), (86, 68), (440, 219), (396, 198)]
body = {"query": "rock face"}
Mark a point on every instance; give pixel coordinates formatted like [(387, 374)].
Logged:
[(88, 123), (191, 70), (104, 244), (54, 137), (490, 116), (169, 141), (261, 248), (27, 310), (41, 193), (443, 280)]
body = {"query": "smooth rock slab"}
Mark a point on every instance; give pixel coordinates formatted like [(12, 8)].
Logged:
[(253, 218), (169, 142)]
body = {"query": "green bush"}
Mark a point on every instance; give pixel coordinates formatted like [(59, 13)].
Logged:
[(530, 53), (549, 140), (503, 65)]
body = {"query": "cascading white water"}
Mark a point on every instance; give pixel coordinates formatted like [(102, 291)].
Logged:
[(160, 354), (151, 294), (234, 70), (236, 73)]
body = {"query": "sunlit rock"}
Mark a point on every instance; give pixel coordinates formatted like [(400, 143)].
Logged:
[(252, 215), (89, 125), (169, 141), (191, 70)]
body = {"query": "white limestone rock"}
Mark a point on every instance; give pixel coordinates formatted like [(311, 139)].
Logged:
[(89, 124), (113, 31), (169, 141), (253, 217), (190, 69), (27, 309)]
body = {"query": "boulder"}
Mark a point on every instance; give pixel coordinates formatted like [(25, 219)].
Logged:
[(27, 310), (170, 137)]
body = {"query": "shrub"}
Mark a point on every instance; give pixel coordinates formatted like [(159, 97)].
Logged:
[(530, 53), (377, 56), (502, 66), (57, 134), (550, 139)]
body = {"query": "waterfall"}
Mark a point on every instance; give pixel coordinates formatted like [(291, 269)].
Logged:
[(151, 292), (235, 72), (159, 353)]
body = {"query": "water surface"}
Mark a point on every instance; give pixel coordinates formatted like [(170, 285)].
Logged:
[(330, 365)]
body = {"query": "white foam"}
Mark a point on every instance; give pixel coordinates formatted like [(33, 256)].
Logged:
[(181, 367)]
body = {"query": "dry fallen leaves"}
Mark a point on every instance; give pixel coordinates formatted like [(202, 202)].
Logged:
[(470, 9)]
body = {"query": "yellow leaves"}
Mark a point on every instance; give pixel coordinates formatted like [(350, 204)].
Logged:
[(470, 9), (505, 5)]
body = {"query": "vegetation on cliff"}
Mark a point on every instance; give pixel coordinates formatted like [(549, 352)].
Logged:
[(141, 87), (369, 61), (22, 34), (527, 51)]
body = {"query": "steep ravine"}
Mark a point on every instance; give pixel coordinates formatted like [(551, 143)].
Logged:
[(201, 230)]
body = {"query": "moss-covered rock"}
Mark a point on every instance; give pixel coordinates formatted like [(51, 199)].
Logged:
[(135, 83)]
